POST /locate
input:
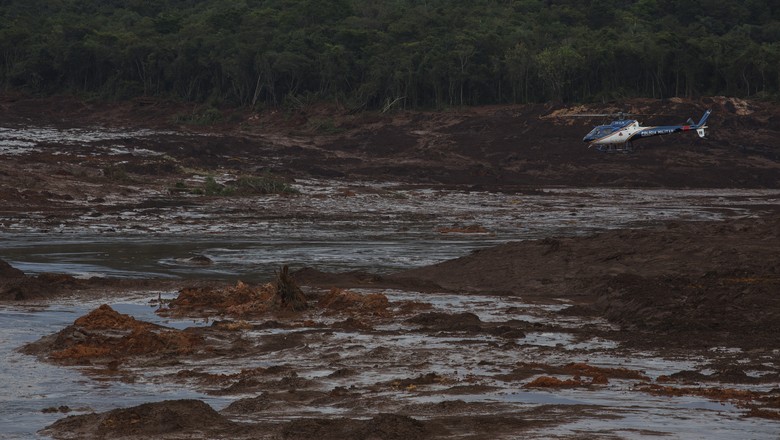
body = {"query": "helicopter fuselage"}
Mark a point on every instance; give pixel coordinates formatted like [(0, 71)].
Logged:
[(625, 130), (620, 132)]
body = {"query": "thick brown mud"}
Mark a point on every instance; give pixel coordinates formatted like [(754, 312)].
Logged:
[(614, 333)]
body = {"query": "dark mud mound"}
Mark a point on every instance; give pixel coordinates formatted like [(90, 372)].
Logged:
[(380, 427), (713, 282), (9, 272), (185, 418), (447, 322), (313, 277), (361, 279), (15, 285), (735, 307)]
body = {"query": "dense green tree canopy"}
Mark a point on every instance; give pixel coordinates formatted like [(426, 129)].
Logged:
[(371, 53)]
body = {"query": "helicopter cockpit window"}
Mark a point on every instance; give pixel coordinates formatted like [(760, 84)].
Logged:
[(600, 131)]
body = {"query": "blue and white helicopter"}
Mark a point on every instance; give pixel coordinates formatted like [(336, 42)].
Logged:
[(618, 136)]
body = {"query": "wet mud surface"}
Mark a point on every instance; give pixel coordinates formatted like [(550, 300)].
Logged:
[(440, 284)]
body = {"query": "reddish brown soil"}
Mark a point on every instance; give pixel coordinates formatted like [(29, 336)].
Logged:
[(105, 337)]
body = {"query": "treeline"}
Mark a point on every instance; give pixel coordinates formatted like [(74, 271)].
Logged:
[(378, 53)]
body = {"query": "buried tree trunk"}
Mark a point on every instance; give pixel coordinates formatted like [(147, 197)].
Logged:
[(288, 291)]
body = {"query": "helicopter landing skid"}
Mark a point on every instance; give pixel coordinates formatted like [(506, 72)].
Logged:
[(626, 148)]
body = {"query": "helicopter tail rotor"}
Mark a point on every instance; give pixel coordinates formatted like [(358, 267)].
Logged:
[(701, 128)]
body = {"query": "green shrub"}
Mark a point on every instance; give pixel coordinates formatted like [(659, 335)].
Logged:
[(265, 184), (212, 188), (116, 173)]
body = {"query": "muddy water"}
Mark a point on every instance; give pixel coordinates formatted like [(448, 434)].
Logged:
[(24, 140), (390, 352), (380, 227), (377, 227), (370, 226), (32, 391)]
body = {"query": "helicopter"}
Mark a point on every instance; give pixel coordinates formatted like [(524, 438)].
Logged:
[(619, 135)]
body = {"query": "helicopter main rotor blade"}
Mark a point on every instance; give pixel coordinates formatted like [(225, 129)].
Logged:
[(605, 115)]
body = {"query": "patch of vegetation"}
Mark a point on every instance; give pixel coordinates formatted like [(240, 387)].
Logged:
[(212, 188), (243, 186), (179, 187), (209, 116), (265, 184), (326, 126), (116, 173)]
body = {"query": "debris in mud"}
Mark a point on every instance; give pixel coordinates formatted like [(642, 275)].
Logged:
[(288, 291), (105, 336), (410, 384), (339, 301), (241, 300), (352, 324), (57, 409), (198, 260), (598, 375), (553, 382), (583, 369)]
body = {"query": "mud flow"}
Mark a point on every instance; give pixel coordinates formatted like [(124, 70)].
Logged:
[(419, 290), (378, 227), (451, 362)]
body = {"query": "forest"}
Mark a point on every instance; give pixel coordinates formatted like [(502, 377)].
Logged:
[(382, 53)]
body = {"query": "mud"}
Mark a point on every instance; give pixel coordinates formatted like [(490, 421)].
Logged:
[(659, 325)]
